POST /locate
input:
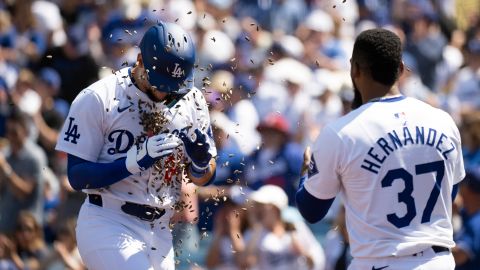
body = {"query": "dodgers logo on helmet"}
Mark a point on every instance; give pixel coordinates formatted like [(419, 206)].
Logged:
[(168, 55)]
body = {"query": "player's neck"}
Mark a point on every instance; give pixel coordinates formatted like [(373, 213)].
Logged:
[(379, 91)]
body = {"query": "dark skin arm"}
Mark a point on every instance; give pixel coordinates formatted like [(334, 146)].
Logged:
[(459, 255)]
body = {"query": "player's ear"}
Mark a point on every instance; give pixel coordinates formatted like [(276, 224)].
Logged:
[(354, 68)]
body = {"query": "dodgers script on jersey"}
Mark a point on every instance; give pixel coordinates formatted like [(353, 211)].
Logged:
[(398, 166), (106, 122)]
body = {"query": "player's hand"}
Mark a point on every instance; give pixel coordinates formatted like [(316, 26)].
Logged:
[(155, 147), (306, 161), (197, 150)]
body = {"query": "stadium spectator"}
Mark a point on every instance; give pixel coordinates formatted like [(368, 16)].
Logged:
[(9, 258), (425, 42), (338, 252), (467, 250), (471, 140), (229, 226), (277, 161), (465, 89), (51, 115), (4, 105), (229, 169), (29, 240), (274, 244), (30, 43), (20, 174), (65, 253), (73, 62)]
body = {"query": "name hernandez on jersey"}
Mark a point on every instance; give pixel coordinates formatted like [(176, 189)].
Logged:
[(394, 171), (409, 136), (110, 116)]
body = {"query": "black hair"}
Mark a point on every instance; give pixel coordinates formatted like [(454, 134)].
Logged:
[(380, 52)]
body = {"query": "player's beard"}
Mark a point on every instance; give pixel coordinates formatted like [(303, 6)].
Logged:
[(357, 98), (151, 96)]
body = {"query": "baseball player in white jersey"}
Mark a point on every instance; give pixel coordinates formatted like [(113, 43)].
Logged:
[(131, 138), (396, 162)]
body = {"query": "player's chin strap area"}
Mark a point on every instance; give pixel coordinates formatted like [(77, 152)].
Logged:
[(141, 211)]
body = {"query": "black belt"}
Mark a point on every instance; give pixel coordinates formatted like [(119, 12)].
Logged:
[(141, 211), (438, 249)]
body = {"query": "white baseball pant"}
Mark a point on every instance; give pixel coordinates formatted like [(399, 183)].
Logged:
[(110, 239), (425, 260)]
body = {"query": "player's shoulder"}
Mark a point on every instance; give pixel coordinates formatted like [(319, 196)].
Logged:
[(109, 84), (415, 106), (422, 108)]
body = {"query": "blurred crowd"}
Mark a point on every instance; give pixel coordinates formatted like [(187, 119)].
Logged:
[(274, 72)]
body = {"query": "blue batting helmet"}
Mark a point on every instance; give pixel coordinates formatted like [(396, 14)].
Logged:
[(168, 55)]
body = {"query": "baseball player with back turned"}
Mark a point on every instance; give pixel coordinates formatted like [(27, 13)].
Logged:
[(395, 160), (130, 139)]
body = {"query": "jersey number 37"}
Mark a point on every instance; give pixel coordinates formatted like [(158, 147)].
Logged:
[(406, 195)]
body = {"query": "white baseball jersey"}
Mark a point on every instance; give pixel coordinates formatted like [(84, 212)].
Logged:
[(104, 122), (394, 162)]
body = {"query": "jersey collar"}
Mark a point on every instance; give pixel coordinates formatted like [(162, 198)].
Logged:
[(387, 99)]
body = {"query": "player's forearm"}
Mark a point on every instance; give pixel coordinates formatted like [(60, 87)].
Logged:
[(84, 174), (203, 179), (460, 256), (311, 208)]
